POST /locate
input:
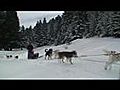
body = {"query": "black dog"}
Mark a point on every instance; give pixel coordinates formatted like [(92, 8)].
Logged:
[(16, 57), (48, 53)]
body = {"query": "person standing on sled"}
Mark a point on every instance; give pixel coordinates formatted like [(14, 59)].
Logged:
[(31, 54)]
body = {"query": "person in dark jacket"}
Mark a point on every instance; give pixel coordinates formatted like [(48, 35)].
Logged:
[(30, 51), (31, 54)]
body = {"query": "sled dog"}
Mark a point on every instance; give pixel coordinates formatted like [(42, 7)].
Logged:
[(67, 55), (113, 57), (48, 53)]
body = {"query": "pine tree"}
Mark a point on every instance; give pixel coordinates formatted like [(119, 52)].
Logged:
[(116, 24), (2, 20), (44, 32), (65, 29), (22, 36), (10, 29), (57, 27), (73, 26), (51, 31), (38, 33)]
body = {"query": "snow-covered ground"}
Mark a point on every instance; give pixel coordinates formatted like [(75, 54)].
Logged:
[(90, 67)]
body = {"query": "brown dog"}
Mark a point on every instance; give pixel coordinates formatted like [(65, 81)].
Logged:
[(67, 55)]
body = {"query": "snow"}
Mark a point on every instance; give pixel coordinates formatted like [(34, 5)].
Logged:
[(90, 67)]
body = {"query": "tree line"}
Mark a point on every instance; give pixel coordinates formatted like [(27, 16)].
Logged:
[(74, 25), (61, 29)]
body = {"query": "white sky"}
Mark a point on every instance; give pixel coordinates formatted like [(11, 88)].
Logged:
[(28, 18)]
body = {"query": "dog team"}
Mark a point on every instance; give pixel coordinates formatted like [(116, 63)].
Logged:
[(113, 56), (60, 55)]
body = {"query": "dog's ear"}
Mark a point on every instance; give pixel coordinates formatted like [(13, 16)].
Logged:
[(73, 51), (113, 52)]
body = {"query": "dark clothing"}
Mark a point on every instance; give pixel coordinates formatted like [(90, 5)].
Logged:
[(30, 47), (30, 51), (31, 54)]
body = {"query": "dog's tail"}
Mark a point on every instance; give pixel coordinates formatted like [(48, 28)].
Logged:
[(46, 50)]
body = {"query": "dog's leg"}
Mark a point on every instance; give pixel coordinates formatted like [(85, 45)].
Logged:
[(110, 66), (70, 61), (67, 60), (51, 56), (59, 60), (48, 57), (106, 65), (63, 60), (55, 56), (109, 63), (45, 57)]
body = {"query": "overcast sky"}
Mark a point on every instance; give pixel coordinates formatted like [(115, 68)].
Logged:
[(28, 18)]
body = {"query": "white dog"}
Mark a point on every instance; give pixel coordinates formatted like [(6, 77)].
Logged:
[(113, 57)]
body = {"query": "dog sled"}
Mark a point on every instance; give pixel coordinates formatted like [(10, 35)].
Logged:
[(34, 56)]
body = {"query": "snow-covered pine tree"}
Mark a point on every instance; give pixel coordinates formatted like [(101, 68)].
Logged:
[(116, 24), (38, 31), (73, 26), (57, 26), (51, 32), (76, 24), (91, 24), (64, 32), (22, 35), (79, 24), (44, 32), (103, 27)]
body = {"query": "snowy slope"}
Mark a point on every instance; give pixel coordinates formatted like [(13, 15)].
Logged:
[(90, 67)]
